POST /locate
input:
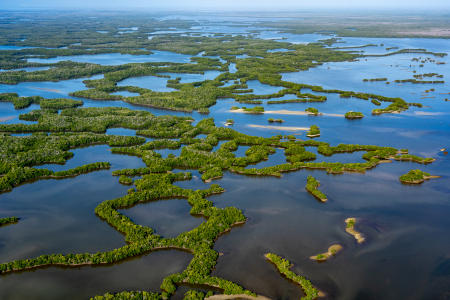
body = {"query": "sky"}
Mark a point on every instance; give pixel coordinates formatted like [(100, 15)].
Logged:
[(226, 4)]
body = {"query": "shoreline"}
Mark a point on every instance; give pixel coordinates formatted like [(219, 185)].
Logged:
[(332, 251), (419, 181), (350, 228)]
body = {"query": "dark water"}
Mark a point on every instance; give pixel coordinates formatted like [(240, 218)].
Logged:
[(406, 252), (283, 218), (140, 273), (58, 215), (168, 218)]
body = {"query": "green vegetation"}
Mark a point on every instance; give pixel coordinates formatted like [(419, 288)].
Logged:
[(271, 120), (375, 79), (402, 51), (20, 154), (353, 115), (415, 81), (314, 131), (413, 158), (125, 180), (9, 220), (376, 102), (350, 228), (332, 250), (415, 177), (284, 266), (61, 125), (312, 187), (421, 76), (302, 100), (312, 111), (141, 239), (51, 104), (261, 65), (81, 170), (395, 107), (17, 175), (253, 110)]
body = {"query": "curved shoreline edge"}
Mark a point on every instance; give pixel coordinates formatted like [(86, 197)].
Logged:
[(350, 228)]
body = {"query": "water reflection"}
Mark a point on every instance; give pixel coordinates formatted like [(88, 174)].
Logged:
[(140, 273)]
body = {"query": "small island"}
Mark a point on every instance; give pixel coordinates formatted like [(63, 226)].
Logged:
[(415, 177), (229, 122), (312, 185), (312, 111), (283, 265), (125, 180), (374, 79), (314, 131), (272, 120), (376, 102), (332, 250), (248, 110), (9, 220), (350, 228), (353, 115)]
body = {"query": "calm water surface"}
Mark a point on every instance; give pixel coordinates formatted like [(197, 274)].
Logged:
[(406, 226)]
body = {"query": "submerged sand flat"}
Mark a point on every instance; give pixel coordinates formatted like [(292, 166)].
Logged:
[(288, 112), (428, 113), (4, 119), (47, 90), (288, 128)]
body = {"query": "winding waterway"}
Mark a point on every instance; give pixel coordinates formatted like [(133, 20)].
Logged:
[(407, 227)]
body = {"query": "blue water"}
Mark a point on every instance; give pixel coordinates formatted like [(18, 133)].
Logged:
[(95, 154), (47, 89), (262, 89), (292, 38), (278, 50), (9, 115), (29, 69), (349, 76), (232, 68), (12, 47), (125, 93), (187, 78), (156, 84)]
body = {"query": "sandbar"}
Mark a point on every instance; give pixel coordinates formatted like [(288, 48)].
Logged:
[(350, 228), (288, 128)]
